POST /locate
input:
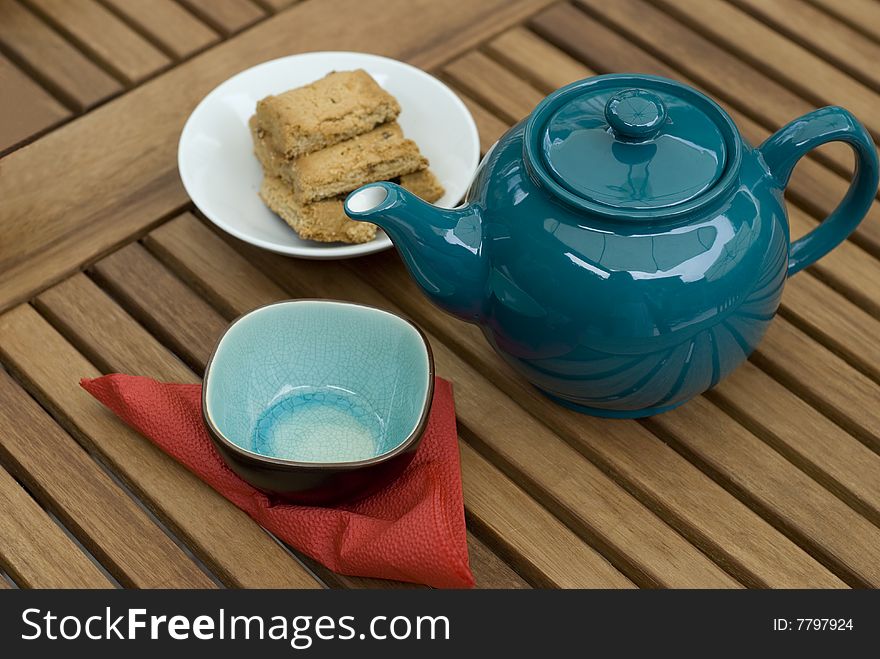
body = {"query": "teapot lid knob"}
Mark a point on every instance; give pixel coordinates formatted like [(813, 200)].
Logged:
[(635, 114)]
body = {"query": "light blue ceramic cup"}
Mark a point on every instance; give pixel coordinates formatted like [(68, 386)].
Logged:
[(315, 400)]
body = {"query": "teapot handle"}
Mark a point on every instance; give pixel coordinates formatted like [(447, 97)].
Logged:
[(783, 149)]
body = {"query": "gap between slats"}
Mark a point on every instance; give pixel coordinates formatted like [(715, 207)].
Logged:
[(65, 411), (205, 35), (105, 367), (130, 59), (112, 582), (6, 581), (101, 463), (77, 108)]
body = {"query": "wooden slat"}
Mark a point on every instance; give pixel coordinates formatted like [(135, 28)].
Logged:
[(550, 553), (25, 108), (847, 267), (863, 15), (131, 273), (211, 267), (538, 62), (841, 45), (489, 570), (841, 537), (228, 542), (99, 32), (49, 231), (489, 126), (34, 550), (690, 52), (825, 380), (488, 20), (815, 190), (494, 86), (547, 550), (227, 16), (63, 68), (798, 68), (83, 311), (167, 23), (275, 5), (755, 94), (839, 324), (806, 437), (87, 500)]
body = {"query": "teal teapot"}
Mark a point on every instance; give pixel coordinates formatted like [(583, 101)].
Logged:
[(623, 247)]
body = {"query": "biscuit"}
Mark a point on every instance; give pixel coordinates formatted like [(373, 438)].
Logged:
[(423, 184), (325, 112), (379, 155), (325, 220), (274, 164)]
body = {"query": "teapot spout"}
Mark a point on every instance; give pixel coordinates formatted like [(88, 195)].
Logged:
[(442, 248)]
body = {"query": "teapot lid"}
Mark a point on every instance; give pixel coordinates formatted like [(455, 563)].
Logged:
[(633, 145)]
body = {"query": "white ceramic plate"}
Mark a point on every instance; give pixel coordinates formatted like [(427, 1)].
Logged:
[(222, 176)]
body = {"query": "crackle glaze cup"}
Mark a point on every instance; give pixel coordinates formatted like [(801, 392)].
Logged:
[(623, 247), (316, 401)]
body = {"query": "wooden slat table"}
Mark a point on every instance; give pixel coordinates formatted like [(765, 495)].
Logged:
[(772, 479)]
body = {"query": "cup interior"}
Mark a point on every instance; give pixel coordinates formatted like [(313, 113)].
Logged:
[(311, 381)]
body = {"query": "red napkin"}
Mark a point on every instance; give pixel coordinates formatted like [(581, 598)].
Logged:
[(412, 530)]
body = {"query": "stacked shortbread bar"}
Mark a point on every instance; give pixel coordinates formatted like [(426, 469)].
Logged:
[(319, 142)]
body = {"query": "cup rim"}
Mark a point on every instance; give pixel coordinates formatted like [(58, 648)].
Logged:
[(266, 460)]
